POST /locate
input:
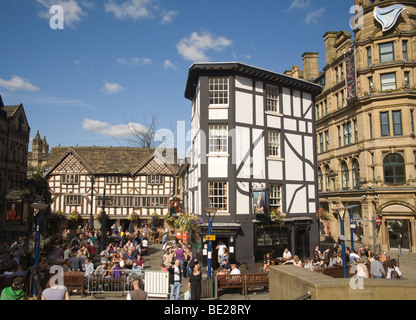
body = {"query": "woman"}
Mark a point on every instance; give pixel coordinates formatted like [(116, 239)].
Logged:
[(295, 261), (195, 279), (267, 262)]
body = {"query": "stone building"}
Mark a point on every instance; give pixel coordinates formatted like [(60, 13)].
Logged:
[(38, 157), (14, 141), (366, 124)]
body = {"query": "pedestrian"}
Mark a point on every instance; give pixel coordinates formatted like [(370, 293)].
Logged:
[(56, 292), (137, 293), (377, 269), (175, 280), (195, 279)]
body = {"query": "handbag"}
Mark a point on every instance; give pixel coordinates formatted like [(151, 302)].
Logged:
[(187, 295)]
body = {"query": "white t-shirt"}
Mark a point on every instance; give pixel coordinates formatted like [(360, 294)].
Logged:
[(235, 271), (287, 255), (221, 248)]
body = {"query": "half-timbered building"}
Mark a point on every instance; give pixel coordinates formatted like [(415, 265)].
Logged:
[(253, 136), (132, 179)]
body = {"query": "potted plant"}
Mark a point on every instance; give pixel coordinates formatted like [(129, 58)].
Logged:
[(74, 216), (133, 216)]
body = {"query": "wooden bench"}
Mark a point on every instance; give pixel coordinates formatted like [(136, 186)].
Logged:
[(143, 251), (228, 281), (75, 281), (256, 280)]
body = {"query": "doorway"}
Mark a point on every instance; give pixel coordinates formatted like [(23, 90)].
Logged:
[(399, 233)]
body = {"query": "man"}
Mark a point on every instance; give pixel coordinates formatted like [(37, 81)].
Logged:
[(89, 267), (220, 247), (287, 255), (354, 256), (377, 268), (137, 293), (175, 280), (234, 269), (15, 292)]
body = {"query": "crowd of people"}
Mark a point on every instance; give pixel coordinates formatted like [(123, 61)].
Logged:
[(365, 263)]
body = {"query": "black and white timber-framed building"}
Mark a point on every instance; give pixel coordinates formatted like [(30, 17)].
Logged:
[(252, 132)]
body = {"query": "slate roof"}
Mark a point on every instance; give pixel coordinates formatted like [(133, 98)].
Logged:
[(105, 160)]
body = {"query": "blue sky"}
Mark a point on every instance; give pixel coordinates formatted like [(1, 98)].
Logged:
[(117, 61)]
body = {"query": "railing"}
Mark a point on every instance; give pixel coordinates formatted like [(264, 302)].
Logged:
[(112, 281)]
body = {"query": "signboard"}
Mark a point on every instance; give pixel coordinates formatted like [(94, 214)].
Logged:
[(343, 238), (210, 238), (259, 200), (350, 74)]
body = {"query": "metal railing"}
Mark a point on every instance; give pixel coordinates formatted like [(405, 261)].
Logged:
[(306, 296), (112, 281)]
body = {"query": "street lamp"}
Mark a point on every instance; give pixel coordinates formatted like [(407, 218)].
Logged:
[(341, 215), (91, 221), (210, 211), (103, 221), (38, 207)]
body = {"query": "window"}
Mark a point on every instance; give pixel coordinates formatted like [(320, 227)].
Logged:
[(385, 124), (73, 200), (345, 175), (273, 143), (113, 180), (339, 137), (404, 46), (70, 179), (274, 196), (394, 169), (218, 138), (336, 75), (412, 123), (342, 98), (155, 179), (218, 195), (320, 180), (321, 142), (355, 131), (160, 202), (355, 174), (327, 140), (406, 79), (386, 52), (369, 58), (337, 98), (388, 81), (218, 91), (342, 72), (370, 84), (327, 178), (272, 99), (347, 134), (370, 120), (397, 123)]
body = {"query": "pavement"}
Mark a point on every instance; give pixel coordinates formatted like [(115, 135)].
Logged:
[(152, 261)]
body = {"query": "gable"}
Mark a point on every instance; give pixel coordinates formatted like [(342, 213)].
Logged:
[(155, 166), (70, 164)]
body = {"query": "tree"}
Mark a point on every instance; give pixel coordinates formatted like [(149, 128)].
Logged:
[(143, 136)]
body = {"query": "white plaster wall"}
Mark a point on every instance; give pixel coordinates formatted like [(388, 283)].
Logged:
[(299, 198), (241, 136), (243, 83), (287, 104), (243, 201), (244, 107), (293, 165), (217, 167), (258, 155)]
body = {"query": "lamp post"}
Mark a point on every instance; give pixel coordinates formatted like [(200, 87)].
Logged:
[(208, 212), (341, 215), (38, 207), (91, 221), (103, 221)]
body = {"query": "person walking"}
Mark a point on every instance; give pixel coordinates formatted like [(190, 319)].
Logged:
[(137, 293), (377, 268), (175, 280)]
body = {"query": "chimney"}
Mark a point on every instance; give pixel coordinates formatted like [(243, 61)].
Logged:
[(330, 51), (310, 66)]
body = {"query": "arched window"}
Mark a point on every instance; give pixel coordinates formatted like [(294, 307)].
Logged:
[(345, 175), (355, 174), (394, 169), (327, 178), (320, 180)]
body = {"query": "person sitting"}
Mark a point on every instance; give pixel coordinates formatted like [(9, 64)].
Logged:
[(234, 269), (15, 291), (287, 255), (295, 261)]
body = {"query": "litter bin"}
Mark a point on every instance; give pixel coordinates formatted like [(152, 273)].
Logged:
[(207, 285)]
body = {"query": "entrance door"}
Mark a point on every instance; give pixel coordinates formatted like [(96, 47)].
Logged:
[(399, 233)]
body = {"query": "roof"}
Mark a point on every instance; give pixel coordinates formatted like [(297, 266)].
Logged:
[(197, 69), (104, 160)]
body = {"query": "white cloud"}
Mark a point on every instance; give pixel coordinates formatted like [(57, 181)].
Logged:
[(134, 62), (299, 4), (18, 84), (168, 16), (194, 47), (73, 12), (167, 64), (121, 131), (313, 16), (130, 9), (112, 88)]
